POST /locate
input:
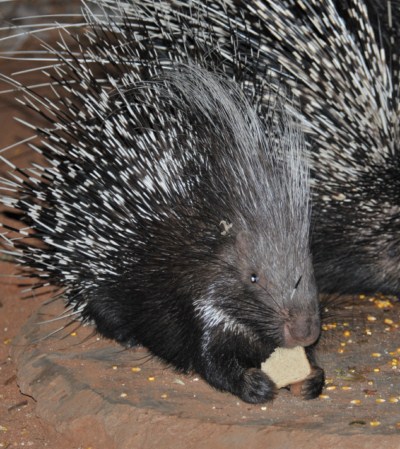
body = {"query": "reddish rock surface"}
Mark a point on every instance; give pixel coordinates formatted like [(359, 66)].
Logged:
[(92, 391)]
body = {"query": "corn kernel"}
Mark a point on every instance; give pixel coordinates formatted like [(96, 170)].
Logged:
[(383, 304), (331, 387), (388, 321), (371, 318), (376, 354), (136, 369), (374, 423), (123, 395), (164, 396), (377, 370), (355, 402), (393, 400), (346, 333), (380, 400), (346, 388), (340, 351), (324, 396), (151, 379)]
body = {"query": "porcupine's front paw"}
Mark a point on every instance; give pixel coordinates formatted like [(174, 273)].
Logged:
[(255, 387), (312, 386)]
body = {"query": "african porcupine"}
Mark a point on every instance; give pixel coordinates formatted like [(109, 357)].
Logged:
[(169, 215), (340, 58)]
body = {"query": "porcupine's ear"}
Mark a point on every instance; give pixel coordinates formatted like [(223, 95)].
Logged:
[(242, 242)]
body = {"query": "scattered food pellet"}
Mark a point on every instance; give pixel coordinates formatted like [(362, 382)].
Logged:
[(3, 429), (374, 423), (329, 326), (377, 370), (123, 395), (331, 387), (393, 400), (136, 369), (151, 378), (383, 304), (380, 400), (340, 350), (376, 354), (73, 334), (342, 343), (263, 408), (115, 367), (346, 333), (371, 318), (7, 341), (324, 396), (355, 402), (164, 396), (346, 387), (368, 332), (388, 321)]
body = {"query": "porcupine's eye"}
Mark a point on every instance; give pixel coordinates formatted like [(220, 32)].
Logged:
[(254, 278)]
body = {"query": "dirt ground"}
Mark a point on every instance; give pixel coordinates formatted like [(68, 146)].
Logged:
[(19, 424), (79, 391)]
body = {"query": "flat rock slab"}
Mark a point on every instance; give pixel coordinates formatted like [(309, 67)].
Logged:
[(104, 396)]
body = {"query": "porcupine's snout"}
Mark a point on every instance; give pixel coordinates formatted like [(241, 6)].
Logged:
[(301, 330)]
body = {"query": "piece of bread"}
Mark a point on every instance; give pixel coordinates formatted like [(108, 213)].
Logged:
[(286, 366)]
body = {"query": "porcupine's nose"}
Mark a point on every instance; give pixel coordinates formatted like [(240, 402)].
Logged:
[(302, 330)]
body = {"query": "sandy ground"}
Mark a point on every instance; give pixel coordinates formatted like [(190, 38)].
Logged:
[(19, 425)]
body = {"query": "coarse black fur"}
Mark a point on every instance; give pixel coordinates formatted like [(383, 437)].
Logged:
[(170, 215)]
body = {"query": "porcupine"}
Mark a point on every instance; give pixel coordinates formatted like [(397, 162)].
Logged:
[(341, 61), (170, 215)]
